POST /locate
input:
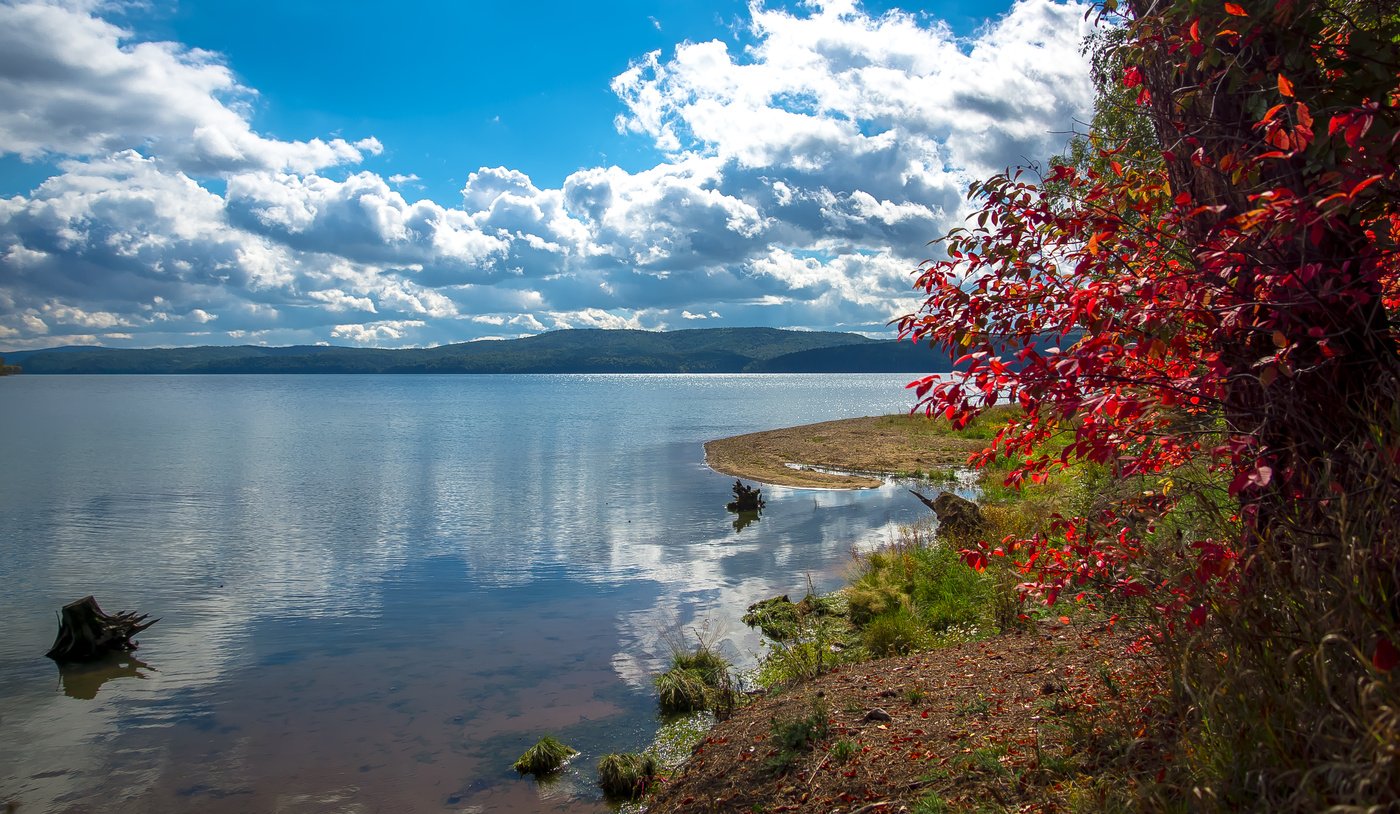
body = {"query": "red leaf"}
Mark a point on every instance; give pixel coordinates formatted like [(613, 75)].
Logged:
[(1284, 86), (1385, 656), (1369, 181), (1235, 9)]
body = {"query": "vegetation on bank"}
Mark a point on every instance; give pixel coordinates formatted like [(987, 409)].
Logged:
[(900, 689)]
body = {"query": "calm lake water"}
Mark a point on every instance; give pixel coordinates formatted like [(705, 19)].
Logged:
[(375, 592)]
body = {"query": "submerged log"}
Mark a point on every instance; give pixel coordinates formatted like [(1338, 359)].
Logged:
[(86, 633)]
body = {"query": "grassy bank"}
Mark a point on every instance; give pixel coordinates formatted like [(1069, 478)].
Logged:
[(855, 452)]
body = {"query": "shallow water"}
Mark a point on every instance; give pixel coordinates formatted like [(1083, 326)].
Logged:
[(376, 591)]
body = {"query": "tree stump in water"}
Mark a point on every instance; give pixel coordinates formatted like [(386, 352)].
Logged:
[(746, 498), (86, 633)]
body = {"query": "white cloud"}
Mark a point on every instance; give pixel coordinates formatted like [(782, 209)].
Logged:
[(338, 301), (598, 318), (801, 178), (372, 333), (78, 85)]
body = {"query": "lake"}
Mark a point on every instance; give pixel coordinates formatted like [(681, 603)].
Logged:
[(376, 591)]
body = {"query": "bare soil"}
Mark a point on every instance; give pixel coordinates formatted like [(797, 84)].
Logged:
[(991, 725), (859, 450)]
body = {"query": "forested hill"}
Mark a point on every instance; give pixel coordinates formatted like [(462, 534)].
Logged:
[(709, 350)]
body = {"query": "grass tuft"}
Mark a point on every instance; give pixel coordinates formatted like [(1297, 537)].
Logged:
[(544, 758), (626, 775)]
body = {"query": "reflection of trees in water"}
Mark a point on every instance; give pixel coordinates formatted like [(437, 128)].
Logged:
[(85, 679)]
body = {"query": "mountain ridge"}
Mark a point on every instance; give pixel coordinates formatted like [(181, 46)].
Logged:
[(579, 350)]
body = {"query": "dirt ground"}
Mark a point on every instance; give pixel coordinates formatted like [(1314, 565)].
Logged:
[(990, 725)]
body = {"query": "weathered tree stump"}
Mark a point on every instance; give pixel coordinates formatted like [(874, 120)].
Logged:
[(957, 516), (746, 498), (86, 633)]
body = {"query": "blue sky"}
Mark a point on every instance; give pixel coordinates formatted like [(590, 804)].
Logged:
[(292, 172)]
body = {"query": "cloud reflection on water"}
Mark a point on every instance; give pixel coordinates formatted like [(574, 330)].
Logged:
[(387, 585)]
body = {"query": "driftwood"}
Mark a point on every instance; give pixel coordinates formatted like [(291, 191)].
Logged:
[(85, 633), (957, 516), (746, 498)]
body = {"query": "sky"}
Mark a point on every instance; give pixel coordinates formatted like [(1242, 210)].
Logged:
[(290, 172)]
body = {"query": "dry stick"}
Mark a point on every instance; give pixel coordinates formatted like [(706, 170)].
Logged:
[(871, 807)]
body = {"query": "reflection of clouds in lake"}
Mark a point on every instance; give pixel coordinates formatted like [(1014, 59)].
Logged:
[(280, 524), (806, 539)]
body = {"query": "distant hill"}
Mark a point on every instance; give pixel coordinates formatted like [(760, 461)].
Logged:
[(870, 357), (705, 350)]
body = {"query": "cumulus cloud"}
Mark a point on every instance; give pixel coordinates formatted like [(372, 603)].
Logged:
[(374, 333), (74, 84), (799, 176)]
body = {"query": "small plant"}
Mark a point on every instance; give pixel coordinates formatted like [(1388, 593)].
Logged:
[(981, 706), (781, 619), (544, 758), (842, 751), (914, 695), (932, 804), (793, 737), (1109, 682), (626, 775)]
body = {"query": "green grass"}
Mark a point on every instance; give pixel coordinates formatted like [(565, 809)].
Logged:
[(842, 751), (682, 690), (626, 775), (699, 679), (544, 757)]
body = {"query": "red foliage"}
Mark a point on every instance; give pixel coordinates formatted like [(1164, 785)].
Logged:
[(1239, 283)]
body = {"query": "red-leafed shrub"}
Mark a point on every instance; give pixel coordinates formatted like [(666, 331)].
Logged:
[(1219, 263)]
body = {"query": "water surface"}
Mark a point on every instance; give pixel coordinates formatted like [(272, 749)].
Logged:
[(376, 591)]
